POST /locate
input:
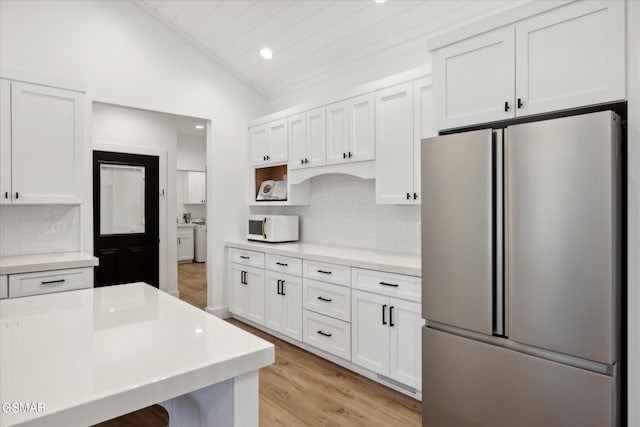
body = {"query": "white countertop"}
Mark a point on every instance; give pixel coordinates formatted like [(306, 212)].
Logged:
[(42, 262), (93, 353), (186, 225), (394, 262)]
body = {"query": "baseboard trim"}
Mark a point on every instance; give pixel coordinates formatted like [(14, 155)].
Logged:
[(221, 312), (409, 391), (174, 294)]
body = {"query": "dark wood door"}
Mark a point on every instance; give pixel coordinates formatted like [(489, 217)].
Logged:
[(125, 218)]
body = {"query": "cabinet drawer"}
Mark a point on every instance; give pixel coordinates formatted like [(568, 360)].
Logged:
[(379, 282), (251, 258), (284, 264), (4, 287), (44, 282), (327, 334), (332, 273), (326, 298)]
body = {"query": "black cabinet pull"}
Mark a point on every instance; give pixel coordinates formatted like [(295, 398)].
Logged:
[(268, 157), (245, 257), (395, 285), (350, 154), (302, 161), (391, 316), (17, 195), (51, 282), (408, 196), (384, 320), (324, 333), (519, 102), (264, 158), (282, 288), (506, 106), (306, 161), (325, 299), (6, 194), (415, 196), (279, 287), (243, 277), (282, 264), (324, 272), (344, 155)]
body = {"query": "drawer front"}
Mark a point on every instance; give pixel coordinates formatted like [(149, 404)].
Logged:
[(332, 273), (391, 284), (284, 264), (244, 257), (4, 287), (45, 282), (327, 334), (326, 298)]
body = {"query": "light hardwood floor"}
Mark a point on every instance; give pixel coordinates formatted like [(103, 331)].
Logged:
[(302, 389)]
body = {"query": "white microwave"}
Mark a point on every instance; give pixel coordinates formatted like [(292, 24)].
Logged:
[(273, 228)]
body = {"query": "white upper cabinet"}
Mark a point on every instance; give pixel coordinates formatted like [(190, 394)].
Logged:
[(196, 187), (307, 139), (567, 57), (269, 143), (570, 57), (474, 80), (351, 130), (403, 117), (42, 139)]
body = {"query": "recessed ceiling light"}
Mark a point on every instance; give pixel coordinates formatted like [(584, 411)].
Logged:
[(199, 127), (380, 1), (266, 53)]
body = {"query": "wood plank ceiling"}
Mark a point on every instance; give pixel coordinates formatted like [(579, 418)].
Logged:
[(312, 41)]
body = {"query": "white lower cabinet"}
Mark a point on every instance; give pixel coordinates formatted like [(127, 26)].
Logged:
[(328, 334), (284, 304), (45, 282), (185, 244), (247, 292), (386, 336), (4, 286)]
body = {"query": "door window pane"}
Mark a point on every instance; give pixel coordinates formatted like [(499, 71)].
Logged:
[(121, 199)]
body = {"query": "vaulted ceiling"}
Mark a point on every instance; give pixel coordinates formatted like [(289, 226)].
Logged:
[(313, 41)]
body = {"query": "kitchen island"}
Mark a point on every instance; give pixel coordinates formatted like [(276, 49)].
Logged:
[(81, 357)]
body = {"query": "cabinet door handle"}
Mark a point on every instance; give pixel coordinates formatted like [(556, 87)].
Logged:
[(325, 299), (284, 264), (6, 194), (519, 103), (324, 333), (324, 272), (17, 195), (245, 257), (278, 291), (506, 106), (394, 285), (384, 320), (391, 316), (53, 282), (243, 277), (268, 157), (415, 196), (344, 155), (302, 161), (178, 240), (350, 154), (306, 161), (282, 288), (408, 196), (264, 158)]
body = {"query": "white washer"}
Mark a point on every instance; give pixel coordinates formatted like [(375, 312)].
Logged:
[(200, 242)]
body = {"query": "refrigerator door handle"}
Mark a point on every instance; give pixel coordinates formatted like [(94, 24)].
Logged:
[(499, 301)]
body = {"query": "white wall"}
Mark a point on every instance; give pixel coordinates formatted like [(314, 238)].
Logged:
[(343, 211), (633, 212), (192, 152), (125, 57)]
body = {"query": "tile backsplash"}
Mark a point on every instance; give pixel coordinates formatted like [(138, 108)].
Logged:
[(343, 211), (34, 229)]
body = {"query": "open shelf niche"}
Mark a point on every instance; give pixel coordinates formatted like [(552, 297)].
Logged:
[(297, 194)]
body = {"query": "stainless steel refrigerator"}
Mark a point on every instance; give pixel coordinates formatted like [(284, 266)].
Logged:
[(521, 275)]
